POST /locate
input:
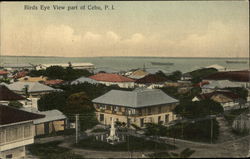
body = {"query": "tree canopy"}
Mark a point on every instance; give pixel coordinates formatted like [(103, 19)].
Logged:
[(198, 109), (198, 75), (58, 72), (175, 76)]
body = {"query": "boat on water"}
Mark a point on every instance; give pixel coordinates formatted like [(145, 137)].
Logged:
[(236, 61), (162, 63)]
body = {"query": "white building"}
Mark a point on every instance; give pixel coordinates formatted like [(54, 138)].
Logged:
[(16, 131), (88, 66), (109, 79)]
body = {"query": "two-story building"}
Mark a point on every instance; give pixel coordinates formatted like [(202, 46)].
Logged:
[(135, 107), (16, 131)]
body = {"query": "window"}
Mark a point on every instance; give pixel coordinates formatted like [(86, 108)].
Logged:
[(142, 122), (159, 109), (27, 131), (149, 110), (9, 156), (159, 119), (166, 118), (101, 117), (2, 136)]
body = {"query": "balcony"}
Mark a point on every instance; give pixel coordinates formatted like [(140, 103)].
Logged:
[(15, 144)]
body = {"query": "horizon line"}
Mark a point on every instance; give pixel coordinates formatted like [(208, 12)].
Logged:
[(116, 56)]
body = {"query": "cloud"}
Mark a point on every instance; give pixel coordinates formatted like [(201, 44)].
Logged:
[(217, 40)]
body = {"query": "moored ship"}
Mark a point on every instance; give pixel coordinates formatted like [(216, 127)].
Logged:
[(162, 63)]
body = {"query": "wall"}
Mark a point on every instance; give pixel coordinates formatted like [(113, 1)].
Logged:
[(13, 139)]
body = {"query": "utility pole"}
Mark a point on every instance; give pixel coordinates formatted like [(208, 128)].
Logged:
[(77, 127), (211, 139)]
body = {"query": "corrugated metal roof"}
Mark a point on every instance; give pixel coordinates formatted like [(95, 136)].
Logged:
[(84, 79), (137, 98), (32, 87), (221, 84), (50, 115), (109, 77)]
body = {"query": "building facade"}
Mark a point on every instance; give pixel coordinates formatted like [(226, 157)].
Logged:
[(15, 133), (135, 107)]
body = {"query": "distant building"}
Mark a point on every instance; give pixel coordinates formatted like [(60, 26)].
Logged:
[(55, 82), (87, 66), (3, 74), (113, 79), (32, 79), (16, 131), (135, 107), (83, 80), (34, 89), (105, 70), (20, 74), (227, 99), (241, 123), (7, 95), (186, 77), (151, 81), (217, 67), (138, 74), (211, 86), (53, 121), (238, 77), (17, 66)]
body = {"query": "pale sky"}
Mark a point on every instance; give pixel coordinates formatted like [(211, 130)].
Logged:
[(169, 29)]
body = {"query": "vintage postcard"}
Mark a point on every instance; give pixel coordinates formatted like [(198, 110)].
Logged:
[(124, 79)]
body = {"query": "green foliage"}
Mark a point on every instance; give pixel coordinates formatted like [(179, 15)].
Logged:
[(72, 74), (65, 132), (175, 76), (36, 73), (99, 130), (54, 100), (186, 153), (153, 129), (55, 72), (198, 131), (242, 92), (78, 103), (51, 150), (136, 126), (232, 114), (5, 80), (171, 91), (58, 72), (198, 75), (135, 144), (15, 104), (198, 109)]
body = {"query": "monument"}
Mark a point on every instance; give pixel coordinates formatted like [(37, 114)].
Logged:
[(112, 138)]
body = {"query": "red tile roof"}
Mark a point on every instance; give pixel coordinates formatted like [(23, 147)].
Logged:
[(20, 74), (152, 78), (240, 76), (3, 72), (110, 77), (8, 95), (53, 82), (9, 115)]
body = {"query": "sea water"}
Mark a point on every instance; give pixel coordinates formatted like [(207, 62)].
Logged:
[(127, 63)]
